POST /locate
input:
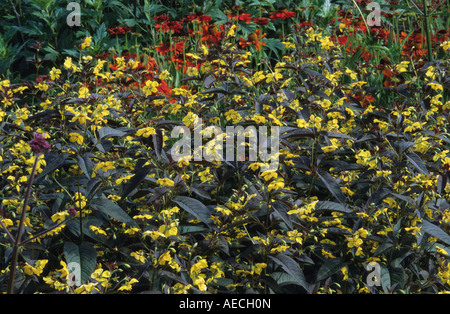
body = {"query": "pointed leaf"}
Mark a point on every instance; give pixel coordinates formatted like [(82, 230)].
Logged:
[(139, 176), (110, 132), (332, 185), (83, 258), (418, 163), (53, 161), (113, 210), (86, 165), (333, 206), (281, 210), (291, 267), (329, 268), (195, 208), (435, 231)]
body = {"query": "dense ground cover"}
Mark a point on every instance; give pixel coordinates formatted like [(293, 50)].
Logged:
[(89, 186)]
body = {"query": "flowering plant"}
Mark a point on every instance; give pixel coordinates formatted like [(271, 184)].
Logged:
[(120, 172)]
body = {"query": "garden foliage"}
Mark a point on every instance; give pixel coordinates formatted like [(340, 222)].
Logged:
[(87, 112)]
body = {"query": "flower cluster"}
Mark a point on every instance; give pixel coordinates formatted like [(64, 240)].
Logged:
[(363, 159)]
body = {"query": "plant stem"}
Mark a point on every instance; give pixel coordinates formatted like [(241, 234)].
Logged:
[(427, 30), (15, 252)]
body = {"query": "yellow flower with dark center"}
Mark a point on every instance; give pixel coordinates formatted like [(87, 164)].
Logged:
[(165, 182)]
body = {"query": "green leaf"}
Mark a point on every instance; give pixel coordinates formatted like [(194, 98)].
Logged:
[(53, 161), (331, 185), (418, 163), (435, 231), (195, 208), (385, 278), (281, 210), (86, 165), (333, 206), (292, 268), (110, 132), (139, 176), (113, 210), (329, 268), (83, 256)]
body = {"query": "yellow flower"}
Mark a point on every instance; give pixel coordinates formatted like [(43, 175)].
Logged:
[(302, 124), (105, 166), (197, 267), (98, 230), (351, 73), (441, 250), (326, 43), (276, 184), (268, 175), (42, 87), (354, 241), (164, 258), (132, 231), (55, 73), (80, 200), (165, 182), (86, 43), (83, 92), (436, 86), (164, 75), (402, 67), (81, 117), (327, 149), (76, 138), (274, 76), (60, 216), (327, 254), (205, 175), (258, 76), (37, 269), (7, 222), (150, 87), (139, 255), (68, 63), (127, 286), (315, 122), (146, 132)]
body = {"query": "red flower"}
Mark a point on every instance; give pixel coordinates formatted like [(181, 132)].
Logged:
[(303, 25), (102, 56), (261, 20), (380, 33), (211, 33), (241, 17), (120, 30), (161, 18), (342, 40), (42, 78), (39, 144), (163, 88), (165, 48), (197, 16), (169, 26), (253, 38), (282, 13)]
